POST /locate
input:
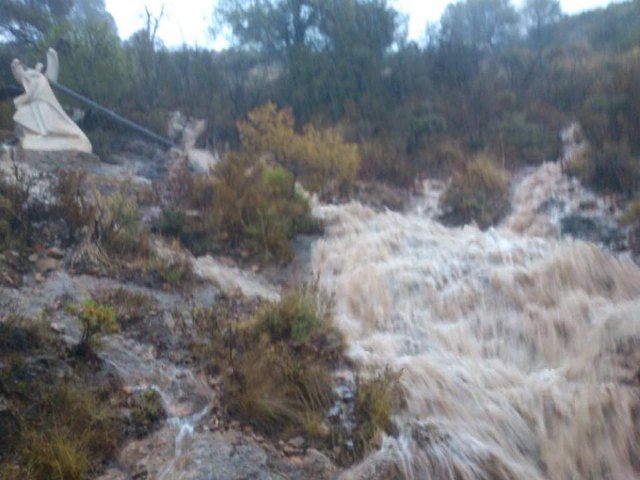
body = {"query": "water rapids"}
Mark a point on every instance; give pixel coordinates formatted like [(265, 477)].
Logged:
[(519, 350)]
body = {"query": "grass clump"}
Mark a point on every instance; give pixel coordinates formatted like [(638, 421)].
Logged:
[(66, 433), (129, 306), (277, 363), (480, 193), (277, 374), (377, 397), (54, 425)]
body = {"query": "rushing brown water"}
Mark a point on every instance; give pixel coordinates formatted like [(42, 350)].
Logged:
[(519, 350)]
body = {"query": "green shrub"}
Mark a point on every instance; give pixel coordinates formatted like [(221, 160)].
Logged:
[(522, 141), (295, 317), (480, 192), (147, 411), (122, 231), (96, 319)]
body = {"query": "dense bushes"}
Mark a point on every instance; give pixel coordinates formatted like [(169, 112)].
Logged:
[(252, 198), (610, 120)]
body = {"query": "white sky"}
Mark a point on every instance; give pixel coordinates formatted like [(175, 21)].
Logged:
[(187, 21)]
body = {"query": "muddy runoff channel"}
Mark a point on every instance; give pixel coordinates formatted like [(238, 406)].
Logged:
[(518, 348)]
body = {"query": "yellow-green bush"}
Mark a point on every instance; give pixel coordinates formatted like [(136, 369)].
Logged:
[(320, 159), (95, 319), (480, 192)]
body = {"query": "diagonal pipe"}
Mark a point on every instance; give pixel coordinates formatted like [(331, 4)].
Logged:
[(113, 115)]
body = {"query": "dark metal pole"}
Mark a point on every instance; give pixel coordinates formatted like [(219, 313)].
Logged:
[(113, 115)]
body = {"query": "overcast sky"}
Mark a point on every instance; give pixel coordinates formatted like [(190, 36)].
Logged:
[(187, 21)]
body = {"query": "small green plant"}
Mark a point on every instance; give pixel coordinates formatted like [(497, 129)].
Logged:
[(96, 319), (128, 305)]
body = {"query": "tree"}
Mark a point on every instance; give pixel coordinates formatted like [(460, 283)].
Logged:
[(538, 14), (274, 27), (482, 24), (87, 12), (28, 21), (330, 53), (93, 61)]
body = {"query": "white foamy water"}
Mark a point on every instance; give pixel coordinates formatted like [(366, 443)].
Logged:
[(517, 348)]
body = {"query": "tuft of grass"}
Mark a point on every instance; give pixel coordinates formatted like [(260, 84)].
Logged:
[(128, 306), (56, 455), (377, 397), (277, 363), (295, 317), (277, 373), (66, 432), (176, 272)]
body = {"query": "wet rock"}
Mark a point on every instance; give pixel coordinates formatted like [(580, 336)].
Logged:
[(593, 229), (296, 442), (380, 197), (377, 466), (428, 434), (290, 451)]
